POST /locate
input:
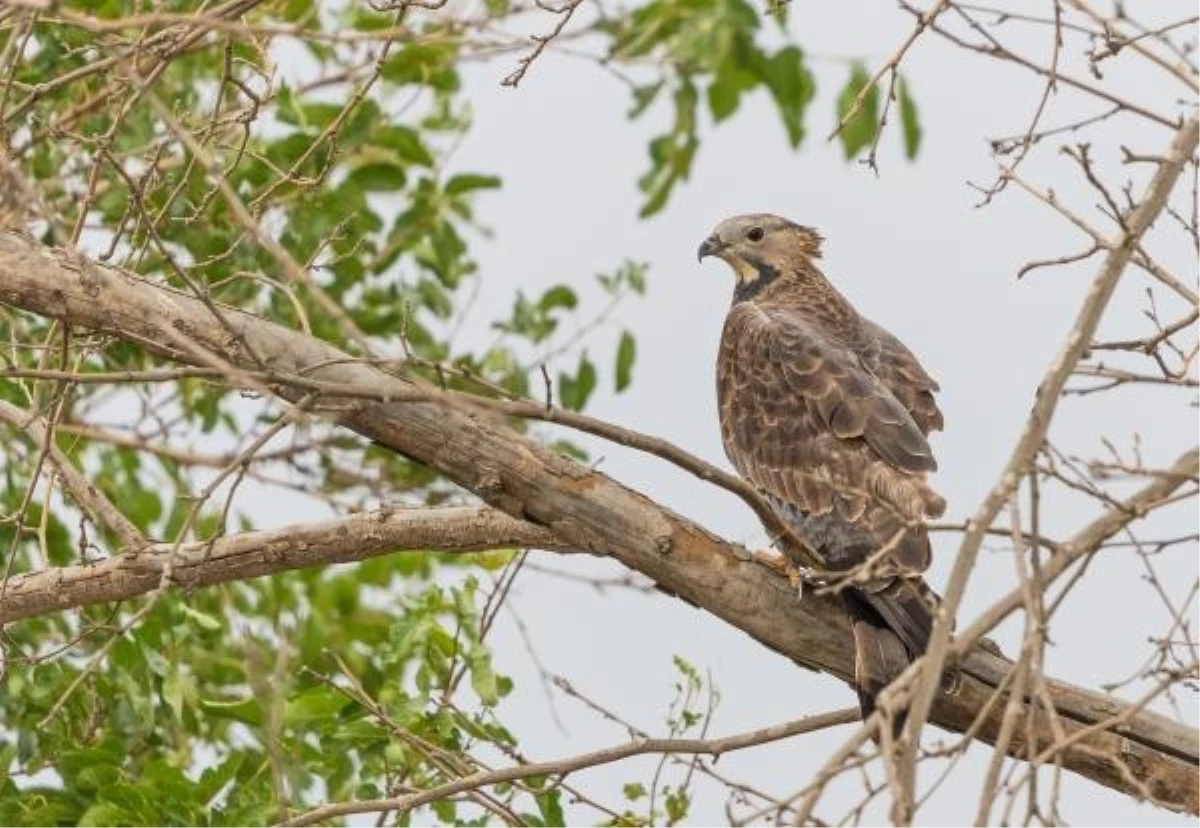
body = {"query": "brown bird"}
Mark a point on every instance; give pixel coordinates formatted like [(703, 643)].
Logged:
[(828, 414)]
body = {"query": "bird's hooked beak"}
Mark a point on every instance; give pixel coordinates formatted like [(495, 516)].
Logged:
[(712, 246)]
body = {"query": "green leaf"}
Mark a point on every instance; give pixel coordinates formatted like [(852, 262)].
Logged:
[(671, 154), (569, 449), (634, 791), (8, 752), (530, 320), (85, 767), (364, 19), (643, 96), (314, 704), (859, 131), (792, 87), (574, 392), (377, 177), (205, 621), (634, 274), (312, 116), (295, 10), (466, 182), (723, 97), (483, 678), (405, 142), (246, 711), (677, 802), (287, 106), (626, 354), (550, 805), (173, 692), (215, 778), (910, 124), (686, 669), (430, 64), (105, 814), (434, 297), (559, 296), (446, 811)]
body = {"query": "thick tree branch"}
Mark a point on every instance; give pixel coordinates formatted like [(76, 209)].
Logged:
[(253, 554), (583, 508)]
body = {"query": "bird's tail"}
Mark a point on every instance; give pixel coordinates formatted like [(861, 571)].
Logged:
[(891, 629)]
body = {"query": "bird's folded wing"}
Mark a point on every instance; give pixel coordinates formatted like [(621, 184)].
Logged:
[(805, 420)]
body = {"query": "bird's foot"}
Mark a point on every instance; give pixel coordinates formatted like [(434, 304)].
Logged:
[(796, 576)]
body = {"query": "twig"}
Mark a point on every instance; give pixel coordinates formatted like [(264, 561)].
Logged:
[(1049, 394), (561, 767)]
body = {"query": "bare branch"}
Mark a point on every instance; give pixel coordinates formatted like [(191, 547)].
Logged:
[(1049, 393), (86, 495), (561, 767)]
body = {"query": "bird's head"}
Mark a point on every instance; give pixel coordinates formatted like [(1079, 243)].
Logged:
[(760, 246)]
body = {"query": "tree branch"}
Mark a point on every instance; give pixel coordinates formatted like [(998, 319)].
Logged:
[(581, 507), (254, 554), (712, 747), (86, 495), (1048, 395)]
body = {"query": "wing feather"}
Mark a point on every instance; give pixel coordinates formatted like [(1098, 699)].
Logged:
[(899, 370), (805, 420)]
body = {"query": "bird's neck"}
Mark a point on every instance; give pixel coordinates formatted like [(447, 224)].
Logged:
[(753, 279), (804, 289)]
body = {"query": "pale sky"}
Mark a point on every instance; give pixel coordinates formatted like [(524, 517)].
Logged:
[(913, 252)]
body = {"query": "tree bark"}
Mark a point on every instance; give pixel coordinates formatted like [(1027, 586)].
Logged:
[(1143, 754), (254, 554)]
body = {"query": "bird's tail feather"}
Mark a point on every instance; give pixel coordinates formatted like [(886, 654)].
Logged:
[(907, 606), (891, 628), (879, 655)]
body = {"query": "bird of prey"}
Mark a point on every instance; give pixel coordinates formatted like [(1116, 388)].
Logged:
[(828, 415)]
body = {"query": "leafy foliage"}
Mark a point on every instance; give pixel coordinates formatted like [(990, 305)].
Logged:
[(910, 123), (860, 112), (859, 131), (667, 801), (712, 42)]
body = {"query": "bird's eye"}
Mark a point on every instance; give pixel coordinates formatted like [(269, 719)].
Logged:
[(755, 234)]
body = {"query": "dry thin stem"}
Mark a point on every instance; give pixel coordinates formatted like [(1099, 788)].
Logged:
[(1049, 394), (562, 767), (90, 498)]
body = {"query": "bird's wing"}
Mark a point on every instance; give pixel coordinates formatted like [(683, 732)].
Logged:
[(804, 420), (897, 368), (843, 462)]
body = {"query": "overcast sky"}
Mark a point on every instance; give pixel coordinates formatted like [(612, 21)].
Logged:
[(913, 252)]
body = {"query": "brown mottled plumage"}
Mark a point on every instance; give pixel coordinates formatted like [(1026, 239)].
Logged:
[(828, 414)]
